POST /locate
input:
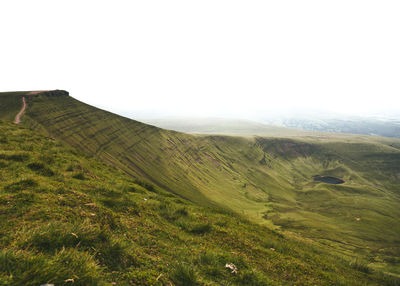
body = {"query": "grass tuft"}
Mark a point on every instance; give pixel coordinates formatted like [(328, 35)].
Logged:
[(27, 268), (79, 176), (360, 266), (21, 157), (251, 278), (21, 185), (201, 228), (41, 169), (184, 275), (145, 185)]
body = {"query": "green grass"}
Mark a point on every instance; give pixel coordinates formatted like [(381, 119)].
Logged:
[(267, 180), (184, 275), (109, 228), (10, 104)]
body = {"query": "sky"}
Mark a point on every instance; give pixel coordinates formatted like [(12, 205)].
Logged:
[(206, 58)]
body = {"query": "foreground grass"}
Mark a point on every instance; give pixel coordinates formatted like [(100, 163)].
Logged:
[(68, 219)]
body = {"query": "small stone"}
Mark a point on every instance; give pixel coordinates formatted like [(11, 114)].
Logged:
[(232, 267)]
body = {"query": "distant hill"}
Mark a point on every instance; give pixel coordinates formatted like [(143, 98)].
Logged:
[(269, 180), (280, 127), (344, 124), (222, 126)]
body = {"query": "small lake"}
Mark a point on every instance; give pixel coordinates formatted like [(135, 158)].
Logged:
[(328, 180)]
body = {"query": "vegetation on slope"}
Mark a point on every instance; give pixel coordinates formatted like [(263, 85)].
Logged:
[(269, 180), (10, 104), (68, 219)]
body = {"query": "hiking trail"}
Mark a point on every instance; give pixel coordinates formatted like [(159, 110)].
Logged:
[(21, 112)]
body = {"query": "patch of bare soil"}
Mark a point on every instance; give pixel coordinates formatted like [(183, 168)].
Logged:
[(21, 112)]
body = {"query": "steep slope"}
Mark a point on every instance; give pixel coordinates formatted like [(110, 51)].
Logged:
[(269, 180), (69, 219), (190, 166), (10, 104)]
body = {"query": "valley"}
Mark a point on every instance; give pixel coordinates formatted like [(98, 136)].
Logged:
[(268, 180)]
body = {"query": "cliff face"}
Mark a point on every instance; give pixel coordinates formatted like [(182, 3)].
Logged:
[(56, 92)]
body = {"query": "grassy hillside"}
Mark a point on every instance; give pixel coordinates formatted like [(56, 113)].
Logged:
[(69, 219), (10, 104), (268, 180)]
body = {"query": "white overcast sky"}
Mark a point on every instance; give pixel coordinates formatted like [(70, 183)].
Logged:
[(206, 57)]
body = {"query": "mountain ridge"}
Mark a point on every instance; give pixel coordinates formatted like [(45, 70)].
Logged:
[(269, 180), (67, 217)]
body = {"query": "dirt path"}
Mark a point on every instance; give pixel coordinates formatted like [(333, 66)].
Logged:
[(18, 117), (37, 91)]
